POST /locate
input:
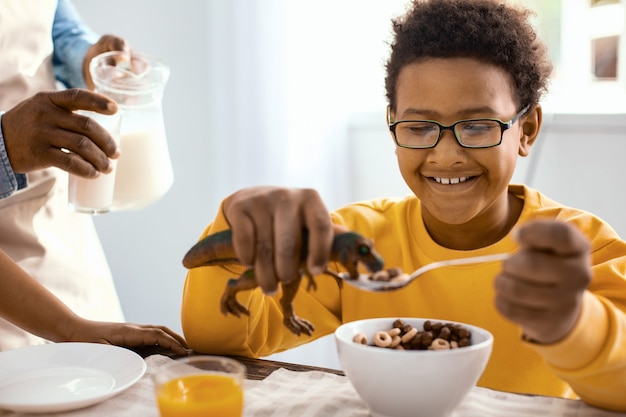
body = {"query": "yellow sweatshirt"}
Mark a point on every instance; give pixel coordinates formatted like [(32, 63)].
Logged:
[(590, 363)]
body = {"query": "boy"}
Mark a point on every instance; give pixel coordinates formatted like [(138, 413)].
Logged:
[(463, 83)]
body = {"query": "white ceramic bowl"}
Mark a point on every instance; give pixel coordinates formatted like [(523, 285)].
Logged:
[(410, 383)]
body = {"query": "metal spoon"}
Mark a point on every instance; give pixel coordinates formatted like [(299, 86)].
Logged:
[(365, 283)]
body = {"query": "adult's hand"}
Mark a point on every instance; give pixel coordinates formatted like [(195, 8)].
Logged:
[(127, 335), (106, 43), (541, 286), (267, 225), (43, 131)]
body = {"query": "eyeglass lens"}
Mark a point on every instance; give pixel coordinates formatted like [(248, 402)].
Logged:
[(473, 133)]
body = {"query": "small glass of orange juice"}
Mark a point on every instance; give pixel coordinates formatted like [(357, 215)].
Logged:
[(200, 386)]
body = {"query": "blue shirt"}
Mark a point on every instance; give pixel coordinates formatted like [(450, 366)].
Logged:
[(71, 39)]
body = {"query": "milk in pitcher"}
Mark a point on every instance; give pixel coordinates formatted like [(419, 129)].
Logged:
[(144, 171), (148, 173)]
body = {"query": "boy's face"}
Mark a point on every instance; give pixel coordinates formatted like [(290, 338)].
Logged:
[(458, 185)]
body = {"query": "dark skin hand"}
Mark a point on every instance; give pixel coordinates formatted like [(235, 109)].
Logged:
[(541, 286), (29, 305), (267, 224), (127, 334), (39, 130), (107, 43)]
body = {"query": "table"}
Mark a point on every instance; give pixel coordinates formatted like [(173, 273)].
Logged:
[(279, 389), (259, 369), (256, 369)]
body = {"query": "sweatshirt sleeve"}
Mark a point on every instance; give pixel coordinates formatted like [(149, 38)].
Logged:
[(10, 181), (260, 333), (71, 38), (592, 358)]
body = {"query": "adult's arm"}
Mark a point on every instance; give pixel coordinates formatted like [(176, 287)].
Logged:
[(29, 305), (71, 38)]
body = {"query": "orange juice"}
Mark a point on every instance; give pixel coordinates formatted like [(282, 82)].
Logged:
[(201, 395)]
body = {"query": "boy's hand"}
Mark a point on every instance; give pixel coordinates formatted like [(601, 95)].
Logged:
[(40, 130), (541, 287), (267, 224)]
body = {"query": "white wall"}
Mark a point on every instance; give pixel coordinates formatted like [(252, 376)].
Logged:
[(579, 161), (145, 248)]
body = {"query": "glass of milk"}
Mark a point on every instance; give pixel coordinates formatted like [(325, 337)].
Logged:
[(95, 195), (144, 170)]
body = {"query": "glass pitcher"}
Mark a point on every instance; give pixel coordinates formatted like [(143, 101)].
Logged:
[(144, 169)]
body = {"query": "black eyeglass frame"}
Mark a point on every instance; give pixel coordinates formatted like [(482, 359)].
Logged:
[(503, 127)]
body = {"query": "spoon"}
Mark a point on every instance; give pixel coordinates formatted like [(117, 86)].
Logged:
[(365, 283)]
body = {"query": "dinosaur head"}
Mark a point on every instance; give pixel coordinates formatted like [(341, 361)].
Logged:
[(352, 249)]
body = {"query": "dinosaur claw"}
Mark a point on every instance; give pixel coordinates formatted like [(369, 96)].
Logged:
[(298, 325), (311, 285), (229, 305)]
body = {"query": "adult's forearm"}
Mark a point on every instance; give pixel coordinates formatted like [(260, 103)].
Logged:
[(27, 304)]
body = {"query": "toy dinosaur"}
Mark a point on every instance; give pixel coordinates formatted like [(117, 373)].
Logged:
[(349, 249)]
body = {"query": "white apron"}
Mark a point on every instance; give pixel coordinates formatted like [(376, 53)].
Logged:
[(56, 246)]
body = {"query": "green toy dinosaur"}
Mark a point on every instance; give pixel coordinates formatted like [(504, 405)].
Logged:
[(349, 249)]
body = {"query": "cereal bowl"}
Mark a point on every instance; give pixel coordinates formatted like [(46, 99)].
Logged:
[(410, 383)]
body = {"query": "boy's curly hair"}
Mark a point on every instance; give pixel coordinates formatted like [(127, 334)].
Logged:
[(487, 30)]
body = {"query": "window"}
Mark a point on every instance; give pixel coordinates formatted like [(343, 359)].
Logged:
[(607, 26), (584, 41)]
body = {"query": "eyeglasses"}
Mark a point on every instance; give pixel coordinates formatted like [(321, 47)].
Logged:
[(470, 133)]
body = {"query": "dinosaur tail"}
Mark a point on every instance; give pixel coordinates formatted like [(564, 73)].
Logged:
[(215, 249)]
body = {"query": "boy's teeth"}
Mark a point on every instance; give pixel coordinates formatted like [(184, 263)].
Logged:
[(450, 180)]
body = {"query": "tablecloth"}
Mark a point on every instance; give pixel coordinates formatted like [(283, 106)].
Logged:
[(318, 394)]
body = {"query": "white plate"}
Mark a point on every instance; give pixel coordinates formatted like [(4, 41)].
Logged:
[(65, 376)]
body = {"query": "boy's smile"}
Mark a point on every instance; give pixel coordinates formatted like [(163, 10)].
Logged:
[(451, 180), (463, 191)]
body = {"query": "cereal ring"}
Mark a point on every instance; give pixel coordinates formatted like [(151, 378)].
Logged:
[(445, 333), (464, 342), (381, 275), (464, 334), (427, 338), (395, 341), (360, 338), (398, 323), (409, 335), (382, 339), (394, 332), (400, 278), (439, 344), (435, 336), (394, 272)]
